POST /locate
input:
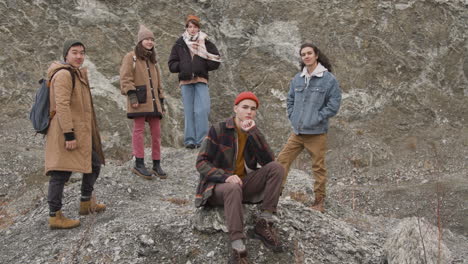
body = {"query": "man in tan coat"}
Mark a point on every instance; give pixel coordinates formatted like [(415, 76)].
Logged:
[(73, 143)]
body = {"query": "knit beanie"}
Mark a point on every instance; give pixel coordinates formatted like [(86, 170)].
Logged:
[(68, 44), (246, 95), (144, 33), (192, 17)]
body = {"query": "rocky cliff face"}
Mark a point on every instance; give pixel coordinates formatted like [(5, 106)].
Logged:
[(398, 147)]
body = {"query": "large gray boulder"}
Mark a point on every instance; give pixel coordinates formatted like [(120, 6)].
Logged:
[(414, 241), (211, 219)]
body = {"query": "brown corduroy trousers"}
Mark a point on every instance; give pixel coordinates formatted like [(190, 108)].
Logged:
[(316, 146), (266, 180)]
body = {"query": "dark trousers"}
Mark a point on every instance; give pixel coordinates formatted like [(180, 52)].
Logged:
[(59, 178), (231, 195)]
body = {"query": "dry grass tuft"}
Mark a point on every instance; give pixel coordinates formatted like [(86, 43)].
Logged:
[(178, 201)]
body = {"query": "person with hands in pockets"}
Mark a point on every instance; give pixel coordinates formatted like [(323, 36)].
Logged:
[(140, 81), (230, 176), (314, 96)]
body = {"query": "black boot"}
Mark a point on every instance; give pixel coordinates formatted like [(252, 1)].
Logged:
[(141, 170), (157, 170)]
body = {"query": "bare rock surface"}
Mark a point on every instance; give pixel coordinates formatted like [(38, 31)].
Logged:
[(416, 241), (156, 222)]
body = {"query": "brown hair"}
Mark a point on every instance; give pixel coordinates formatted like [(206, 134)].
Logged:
[(144, 54), (321, 56), (193, 21)]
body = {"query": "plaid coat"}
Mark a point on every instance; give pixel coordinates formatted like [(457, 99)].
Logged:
[(218, 153)]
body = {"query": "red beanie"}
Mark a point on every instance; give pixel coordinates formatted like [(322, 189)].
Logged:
[(192, 18), (246, 95)]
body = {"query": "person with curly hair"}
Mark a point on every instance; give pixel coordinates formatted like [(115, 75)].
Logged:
[(314, 96)]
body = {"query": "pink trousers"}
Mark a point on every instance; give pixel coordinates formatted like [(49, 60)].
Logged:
[(138, 137)]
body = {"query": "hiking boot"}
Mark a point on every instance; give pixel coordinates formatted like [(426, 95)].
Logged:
[(59, 221), (265, 232), (141, 170), (157, 170), (318, 205), (87, 207), (238, 257)]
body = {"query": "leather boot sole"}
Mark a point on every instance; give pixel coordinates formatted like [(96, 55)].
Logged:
[(57, 227), (150, 177), (160, 176)]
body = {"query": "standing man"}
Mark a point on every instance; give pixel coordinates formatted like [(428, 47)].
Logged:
[(73, 143), (314, 96), (229, 175)]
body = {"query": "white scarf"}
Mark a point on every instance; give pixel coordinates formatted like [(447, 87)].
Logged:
[(201, 51)]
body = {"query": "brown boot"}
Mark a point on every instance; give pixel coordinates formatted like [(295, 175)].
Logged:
[(265, 232), (238, 257), (318, 204), (91, 206), (59, 221)]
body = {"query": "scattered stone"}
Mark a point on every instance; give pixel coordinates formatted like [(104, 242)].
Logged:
[(145, 240)]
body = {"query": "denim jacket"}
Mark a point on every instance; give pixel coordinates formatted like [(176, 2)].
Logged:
[(311, 104)]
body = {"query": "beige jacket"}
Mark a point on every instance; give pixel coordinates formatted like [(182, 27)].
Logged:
[(134, 76), (74, 113)]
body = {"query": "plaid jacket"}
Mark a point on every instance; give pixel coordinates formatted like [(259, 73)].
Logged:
[(218, 153)]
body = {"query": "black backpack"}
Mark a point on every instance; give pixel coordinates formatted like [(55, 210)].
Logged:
[(40, 114)]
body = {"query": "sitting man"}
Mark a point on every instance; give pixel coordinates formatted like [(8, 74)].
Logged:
[(229, 175)]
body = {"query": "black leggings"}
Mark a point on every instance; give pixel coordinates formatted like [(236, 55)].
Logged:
[(59, 178)]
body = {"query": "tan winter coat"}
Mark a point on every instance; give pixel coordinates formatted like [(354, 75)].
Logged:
[(134, 76), (74, 112)]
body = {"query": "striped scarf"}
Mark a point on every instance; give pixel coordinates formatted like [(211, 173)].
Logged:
[(201, 50)]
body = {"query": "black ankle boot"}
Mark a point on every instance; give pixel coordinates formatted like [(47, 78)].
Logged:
[(141, 170), (157, 170)]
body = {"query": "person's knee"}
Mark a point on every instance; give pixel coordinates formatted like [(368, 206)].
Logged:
[(283, 160), (233, 189), (201, 111), (138, 130), (276, 166), (59, 177), (276, 170)]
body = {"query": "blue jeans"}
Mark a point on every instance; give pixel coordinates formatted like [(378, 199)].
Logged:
[(196, 99)]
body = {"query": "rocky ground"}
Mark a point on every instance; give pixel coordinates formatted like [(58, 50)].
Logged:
[(156, 222)]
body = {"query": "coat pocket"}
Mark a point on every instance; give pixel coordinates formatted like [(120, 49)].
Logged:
[(141, 94), (318, 95), (299, 88)]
